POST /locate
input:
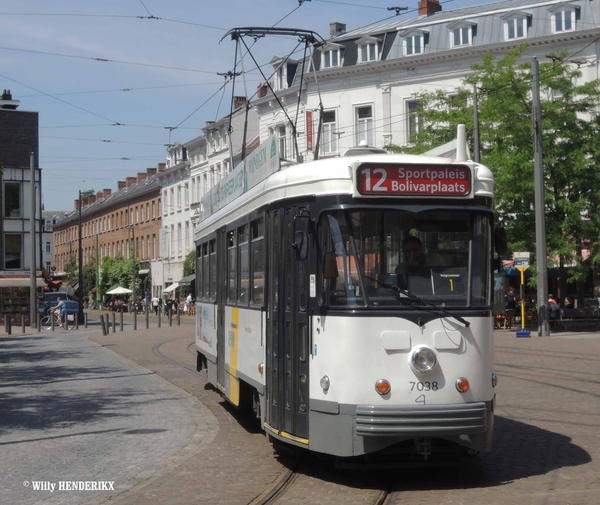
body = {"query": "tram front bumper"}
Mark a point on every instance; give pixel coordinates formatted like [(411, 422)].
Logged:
[(353, 430)]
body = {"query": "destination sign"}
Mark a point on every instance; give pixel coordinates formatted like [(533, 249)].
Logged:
[(395, 179)]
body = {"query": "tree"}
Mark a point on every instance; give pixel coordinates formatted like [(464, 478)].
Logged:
[(571, 152), (189, 268)]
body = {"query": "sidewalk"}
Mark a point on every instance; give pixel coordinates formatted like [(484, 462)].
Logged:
[(93, 322)]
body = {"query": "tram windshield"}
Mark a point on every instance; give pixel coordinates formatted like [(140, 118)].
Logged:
[(369, 256)]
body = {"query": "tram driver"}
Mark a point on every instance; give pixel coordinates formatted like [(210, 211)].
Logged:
[(414, 256)]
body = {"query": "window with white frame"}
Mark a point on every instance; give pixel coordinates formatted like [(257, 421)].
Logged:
[(328, 134), (281, 133), (48, 247), (186, 194), (563, 18), (414, 42), (364, 124), (461, 35), (414, 119), (515, 28), (368, 51), (331, 56)]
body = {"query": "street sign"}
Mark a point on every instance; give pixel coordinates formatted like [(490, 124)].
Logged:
[(522, 259)]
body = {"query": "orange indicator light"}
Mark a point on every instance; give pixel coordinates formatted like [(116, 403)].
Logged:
[(383, 387), (462, 385)]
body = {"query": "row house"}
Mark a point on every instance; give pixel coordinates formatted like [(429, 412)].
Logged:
[(176, 235), (124, 223), (193, 168), (369, 79)]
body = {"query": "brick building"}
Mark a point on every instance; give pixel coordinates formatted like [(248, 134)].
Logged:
[(124, 222)]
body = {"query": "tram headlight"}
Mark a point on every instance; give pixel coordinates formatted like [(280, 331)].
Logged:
[(324, 383), (423, 360)]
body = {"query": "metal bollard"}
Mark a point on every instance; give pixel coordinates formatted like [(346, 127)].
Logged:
[(148, 317), (85, 319), (135, 320), (9, 325), (23, 323), (121, 321), (114, 322), (102, 324), (170, 316), (52, 318), (107, 324), (77, 322), (159, 314), (178, 316), (39, 322)]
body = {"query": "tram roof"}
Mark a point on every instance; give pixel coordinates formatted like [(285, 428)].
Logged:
[(330, 176)]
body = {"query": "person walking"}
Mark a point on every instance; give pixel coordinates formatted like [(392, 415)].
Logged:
[(155, 304)]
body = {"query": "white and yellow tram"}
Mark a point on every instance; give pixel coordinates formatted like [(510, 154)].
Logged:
[(309, 310)]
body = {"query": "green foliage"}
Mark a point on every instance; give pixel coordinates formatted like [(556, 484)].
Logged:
[(89, 277), (189, 268), (119, 271), (72, 270), (570, 148)]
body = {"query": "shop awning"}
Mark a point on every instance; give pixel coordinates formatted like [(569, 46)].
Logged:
[(187, 279), (20, 282), (171, 288)]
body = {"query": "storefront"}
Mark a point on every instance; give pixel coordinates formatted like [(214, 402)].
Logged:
[(14, 298)]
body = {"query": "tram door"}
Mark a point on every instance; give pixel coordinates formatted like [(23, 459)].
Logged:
[(287, 329), (219, 294)]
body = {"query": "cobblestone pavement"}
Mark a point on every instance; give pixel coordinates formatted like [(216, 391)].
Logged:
[(73, 411), (547, 442)]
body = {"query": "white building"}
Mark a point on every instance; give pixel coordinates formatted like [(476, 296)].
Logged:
[(369, 78), (176, 235)]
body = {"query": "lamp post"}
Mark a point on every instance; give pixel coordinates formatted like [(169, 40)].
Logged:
[(80, 281), (131, 227)]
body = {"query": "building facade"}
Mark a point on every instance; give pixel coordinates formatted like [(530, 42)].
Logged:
[(124, 223), (368, 80), (19, 140)]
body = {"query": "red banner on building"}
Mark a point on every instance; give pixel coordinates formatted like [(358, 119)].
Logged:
[(309, 131)]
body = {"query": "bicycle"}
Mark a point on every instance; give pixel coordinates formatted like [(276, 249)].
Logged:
[(51, 319)]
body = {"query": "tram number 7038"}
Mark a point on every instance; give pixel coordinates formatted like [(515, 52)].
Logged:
[(423, 386)]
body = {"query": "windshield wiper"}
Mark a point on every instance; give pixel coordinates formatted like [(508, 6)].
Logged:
[(428, 305)]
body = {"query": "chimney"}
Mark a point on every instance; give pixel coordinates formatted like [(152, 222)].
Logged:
[(428, 7), (120, 185), (337, 28), (7, 101), (129, 181), (107, 191), (77, 204), (238, 101), (141, 176), (91, 199), (162, 167), (99, 195), (151, 172), (85, 201), (262, 90)]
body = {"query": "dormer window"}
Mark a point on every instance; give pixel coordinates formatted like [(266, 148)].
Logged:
[(515, 25), (331, 56), (285, 72), (563, 17), (369, 49), (414, 41), (461, 34)]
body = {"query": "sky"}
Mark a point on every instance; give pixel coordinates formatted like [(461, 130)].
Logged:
[(101, 121)]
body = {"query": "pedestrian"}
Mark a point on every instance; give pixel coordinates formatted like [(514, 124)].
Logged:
[(155, 304), (511, 298)]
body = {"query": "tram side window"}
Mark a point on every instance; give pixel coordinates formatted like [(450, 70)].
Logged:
[(199, 289), (232, 267), (212, 249), (243, 265), (257, 231), (205, 278)]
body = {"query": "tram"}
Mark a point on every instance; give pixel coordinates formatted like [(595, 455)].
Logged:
[(314, 308)]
